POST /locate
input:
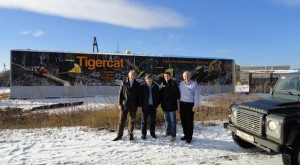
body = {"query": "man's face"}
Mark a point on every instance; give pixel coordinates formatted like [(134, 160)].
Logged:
[(149, 81), (167, 77), (131, 76), (186, 77)]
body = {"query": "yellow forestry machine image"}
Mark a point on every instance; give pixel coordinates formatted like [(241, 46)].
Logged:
[(70, 71)]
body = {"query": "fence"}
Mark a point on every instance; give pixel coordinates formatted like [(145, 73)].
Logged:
[(259, 82)]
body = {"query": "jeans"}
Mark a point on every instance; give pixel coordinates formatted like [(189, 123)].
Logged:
[(170, 120), (145, 115)]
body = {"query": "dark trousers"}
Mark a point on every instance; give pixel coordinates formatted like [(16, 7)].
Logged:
[(187, 119), (145, 115), (123, 117)]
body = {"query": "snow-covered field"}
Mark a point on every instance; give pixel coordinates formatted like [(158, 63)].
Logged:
[(82, 145)]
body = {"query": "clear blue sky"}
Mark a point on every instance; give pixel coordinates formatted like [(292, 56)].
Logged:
[(252, 32)]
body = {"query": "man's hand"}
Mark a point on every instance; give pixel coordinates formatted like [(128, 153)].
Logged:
[(120, 107), (195, 109)]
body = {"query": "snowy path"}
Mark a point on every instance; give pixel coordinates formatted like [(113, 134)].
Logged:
[(81, 145)]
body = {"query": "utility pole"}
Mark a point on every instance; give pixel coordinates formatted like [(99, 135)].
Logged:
[(95, 44), (118, 48)]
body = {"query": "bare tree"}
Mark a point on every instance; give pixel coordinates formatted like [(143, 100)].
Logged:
[(4, 78)]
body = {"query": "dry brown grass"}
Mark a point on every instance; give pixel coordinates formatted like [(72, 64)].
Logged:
[(17, 119), (218, 107), (4, 96), (107, 118)]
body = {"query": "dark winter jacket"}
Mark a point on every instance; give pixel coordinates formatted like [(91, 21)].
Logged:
[(130, 98), (145, 96), (169, 94)]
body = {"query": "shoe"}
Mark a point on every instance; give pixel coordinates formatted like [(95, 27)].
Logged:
[(188, 141), (131, 137), (165, 135), (171, 139), (117, 138), (144, 137), (183, 138), (154, 136)]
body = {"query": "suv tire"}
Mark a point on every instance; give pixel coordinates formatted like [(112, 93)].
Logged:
[(294, 157), (242, 143)]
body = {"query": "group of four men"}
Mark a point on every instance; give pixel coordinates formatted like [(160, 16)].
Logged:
[(133, 96)]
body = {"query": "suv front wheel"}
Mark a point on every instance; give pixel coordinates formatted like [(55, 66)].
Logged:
[(242, 143), (294, 157)]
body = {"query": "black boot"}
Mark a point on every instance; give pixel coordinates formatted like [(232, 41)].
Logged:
[(117, 138), (131, 137), (154, 136)]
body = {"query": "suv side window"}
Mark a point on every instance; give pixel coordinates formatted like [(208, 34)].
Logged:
[(293, 84), (289, 84)]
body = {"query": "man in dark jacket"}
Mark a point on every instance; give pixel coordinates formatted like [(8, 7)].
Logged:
[(169, 95), (129, 102), (150, 101)]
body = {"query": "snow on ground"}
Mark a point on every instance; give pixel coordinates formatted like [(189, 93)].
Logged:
[(82, 145), (4, 90), (88, 102)]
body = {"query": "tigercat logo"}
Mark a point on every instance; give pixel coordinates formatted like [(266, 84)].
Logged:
[(91, 64)]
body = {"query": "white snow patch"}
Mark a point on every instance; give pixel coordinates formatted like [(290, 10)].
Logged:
[(82, 145), (4, 90)]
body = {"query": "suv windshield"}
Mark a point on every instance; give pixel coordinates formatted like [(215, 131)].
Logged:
[(288, 83)]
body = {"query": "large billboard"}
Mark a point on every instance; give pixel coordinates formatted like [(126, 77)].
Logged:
[(45, 68), (42, 68)]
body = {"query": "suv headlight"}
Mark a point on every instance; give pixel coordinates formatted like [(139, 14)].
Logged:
[(274, 126), (233, 113)]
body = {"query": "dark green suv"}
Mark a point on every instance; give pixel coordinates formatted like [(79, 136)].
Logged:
[(272, 124)]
